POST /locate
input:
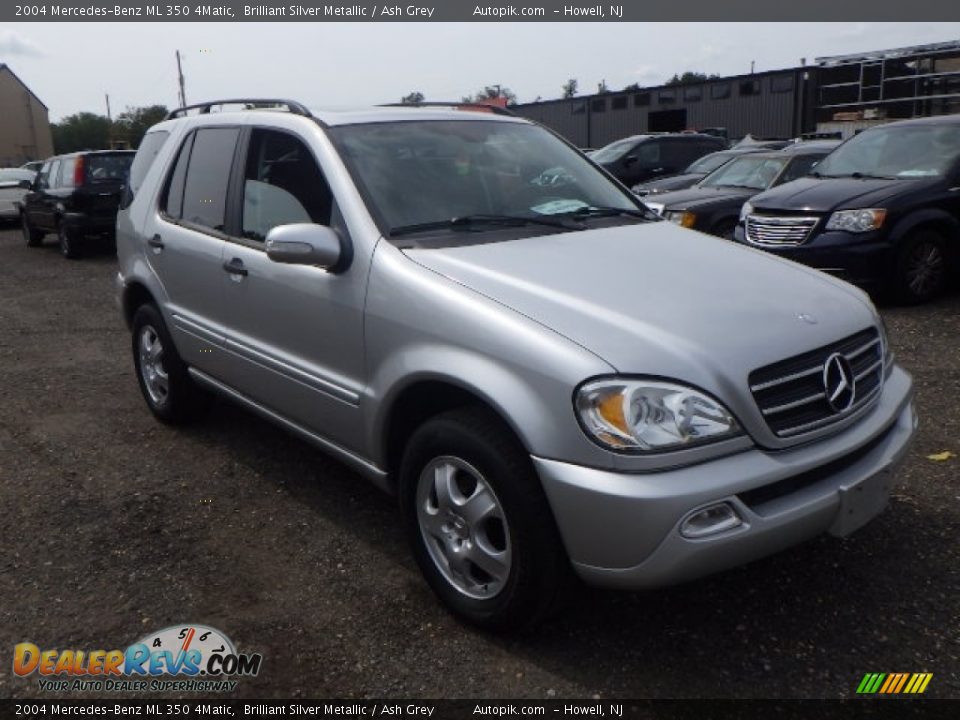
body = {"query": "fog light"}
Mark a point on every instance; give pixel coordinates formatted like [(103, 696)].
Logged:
[(710, 520)]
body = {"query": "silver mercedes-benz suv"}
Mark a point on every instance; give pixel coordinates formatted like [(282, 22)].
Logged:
[(480, 320)]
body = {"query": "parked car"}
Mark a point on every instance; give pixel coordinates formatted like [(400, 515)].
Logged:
[(641, 158), (883, 211), (713, 205), (14, 184), (33, 166), (76, 197), (548, 377), (693, 173)]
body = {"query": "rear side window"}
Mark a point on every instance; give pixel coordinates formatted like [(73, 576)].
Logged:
[(146, 154), (67, 171), (203, 173)]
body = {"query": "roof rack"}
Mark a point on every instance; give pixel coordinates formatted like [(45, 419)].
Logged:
[(204, 108), (481, 106)]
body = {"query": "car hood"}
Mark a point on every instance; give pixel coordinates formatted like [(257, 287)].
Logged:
[(656, 299), (701, 197), (667, 184), (826, 194)]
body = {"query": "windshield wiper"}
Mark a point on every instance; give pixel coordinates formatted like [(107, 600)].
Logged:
[(610, 211), (857, 176), (465, 222)]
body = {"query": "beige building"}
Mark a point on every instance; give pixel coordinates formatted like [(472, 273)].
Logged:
[(24, 125)]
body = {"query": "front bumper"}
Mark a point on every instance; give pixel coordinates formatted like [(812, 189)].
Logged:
[(623, 530), (865, 259)]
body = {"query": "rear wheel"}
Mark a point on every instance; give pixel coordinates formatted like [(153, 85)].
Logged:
[(69, 239), (922, 266), (33, 237), (164, 381), (478, 522)]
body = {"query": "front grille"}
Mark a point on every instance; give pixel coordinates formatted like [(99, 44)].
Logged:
[(770, 230), (791, 393)]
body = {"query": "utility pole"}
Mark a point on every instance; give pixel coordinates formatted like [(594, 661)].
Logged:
[(183, 92), (109, 117)]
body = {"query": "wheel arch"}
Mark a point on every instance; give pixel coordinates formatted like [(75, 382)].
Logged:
[(134, 295)]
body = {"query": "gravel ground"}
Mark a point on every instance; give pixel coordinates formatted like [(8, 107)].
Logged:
[(112, 525)]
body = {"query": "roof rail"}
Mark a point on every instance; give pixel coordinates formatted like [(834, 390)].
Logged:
[(481, 106), (204, 108)]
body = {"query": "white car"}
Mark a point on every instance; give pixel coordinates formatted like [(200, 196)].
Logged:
[(12, 190)]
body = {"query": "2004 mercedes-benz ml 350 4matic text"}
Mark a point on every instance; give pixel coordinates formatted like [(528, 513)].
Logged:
[(477, 318)]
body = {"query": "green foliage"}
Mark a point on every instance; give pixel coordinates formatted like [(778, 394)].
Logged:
[(413, 98), (570, 88), (491, 92), (82, 131), (689, 78), (90, 131)]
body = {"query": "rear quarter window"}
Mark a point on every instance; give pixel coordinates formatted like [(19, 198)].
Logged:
[(146, 154), (105, 168)]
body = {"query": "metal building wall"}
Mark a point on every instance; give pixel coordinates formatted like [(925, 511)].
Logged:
[(768, 113)]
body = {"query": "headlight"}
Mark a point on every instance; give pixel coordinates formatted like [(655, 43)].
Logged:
[(683, 219), (747, 209), (650, 415), (856, 221)]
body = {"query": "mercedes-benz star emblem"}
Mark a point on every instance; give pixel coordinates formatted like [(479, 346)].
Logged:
[(839, 384)]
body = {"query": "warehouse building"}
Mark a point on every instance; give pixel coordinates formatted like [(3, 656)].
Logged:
[(837, 94), (24, 122)]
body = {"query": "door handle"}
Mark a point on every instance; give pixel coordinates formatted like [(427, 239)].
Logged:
[(235, 267), (156, 242)]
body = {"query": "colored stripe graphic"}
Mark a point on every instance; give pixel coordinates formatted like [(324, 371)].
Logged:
[(894, 683)]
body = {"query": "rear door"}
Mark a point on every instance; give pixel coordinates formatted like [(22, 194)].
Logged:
[(185, 240)]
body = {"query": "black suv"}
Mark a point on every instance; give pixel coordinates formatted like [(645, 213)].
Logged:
[(75, 196), (882, 211), (640, 158)]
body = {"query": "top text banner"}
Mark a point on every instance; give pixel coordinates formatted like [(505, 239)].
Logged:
[(463, 11)]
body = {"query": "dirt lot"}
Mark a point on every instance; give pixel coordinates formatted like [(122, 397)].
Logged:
[(112, 525)]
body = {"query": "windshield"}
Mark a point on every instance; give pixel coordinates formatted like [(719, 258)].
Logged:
[(614, 151), (107, 167), (756, 173), (421, 172), (895, 152), (709, 163)]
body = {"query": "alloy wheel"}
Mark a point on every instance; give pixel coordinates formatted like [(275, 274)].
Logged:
[(154, 375)]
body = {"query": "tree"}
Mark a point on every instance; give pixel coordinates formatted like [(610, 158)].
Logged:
[(570, 88), (81, 131), (632, 86), (132, 124), (492, 92), (413, 98), (689, 78)]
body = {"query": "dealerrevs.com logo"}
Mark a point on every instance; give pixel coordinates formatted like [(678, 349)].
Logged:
[(180, 658)]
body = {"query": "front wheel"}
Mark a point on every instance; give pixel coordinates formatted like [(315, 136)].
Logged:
[(922, 267), (478, 522), (164, 381), (33, 237)]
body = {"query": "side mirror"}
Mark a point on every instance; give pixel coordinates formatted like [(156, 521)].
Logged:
[(304, 244), (25, 185)]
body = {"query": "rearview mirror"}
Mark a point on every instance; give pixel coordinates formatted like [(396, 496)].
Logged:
[(304, 244), (629, 159)]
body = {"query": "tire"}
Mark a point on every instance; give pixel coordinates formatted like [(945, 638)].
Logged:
[(69, 240), (171, 394), (33, 237), (478, 463), (724, 229), (922, 267)]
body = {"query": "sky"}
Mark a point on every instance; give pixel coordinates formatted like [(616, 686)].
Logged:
[(71, 66)]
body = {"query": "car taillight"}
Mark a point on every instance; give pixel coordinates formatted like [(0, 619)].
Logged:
[(78, 171)]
